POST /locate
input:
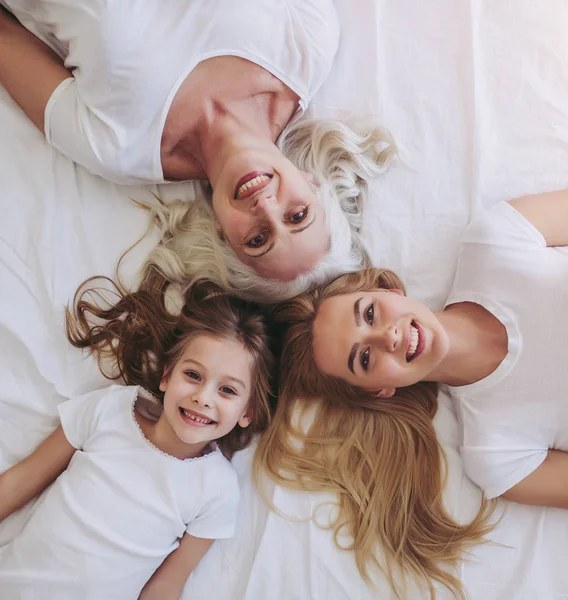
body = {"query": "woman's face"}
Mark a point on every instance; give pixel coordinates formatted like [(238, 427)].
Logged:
[(267, 211), (378, 340)]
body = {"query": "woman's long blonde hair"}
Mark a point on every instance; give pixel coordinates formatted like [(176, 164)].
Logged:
[(381, 456)]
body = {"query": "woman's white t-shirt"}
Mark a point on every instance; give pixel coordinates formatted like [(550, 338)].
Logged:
[(129, 59), (511, 418), (110, 519)]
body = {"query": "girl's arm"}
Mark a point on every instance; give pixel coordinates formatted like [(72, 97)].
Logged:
[(31, 476), (545, 486), (169, 579), (29, 70), (548, 213)]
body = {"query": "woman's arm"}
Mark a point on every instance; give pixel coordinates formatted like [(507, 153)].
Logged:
[(29, 70), (548, 213), (545, 486), (31, 476), (170, 577)]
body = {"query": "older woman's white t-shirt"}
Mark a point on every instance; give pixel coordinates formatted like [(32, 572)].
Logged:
[(129, 59), (110, 519)]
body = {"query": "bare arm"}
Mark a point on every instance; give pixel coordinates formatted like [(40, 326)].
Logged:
[(31, 476), (169, 579), (545, 486), (29, 70), (548, 213)]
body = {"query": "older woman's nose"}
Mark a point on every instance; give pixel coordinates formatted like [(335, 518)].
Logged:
[(263, 202)]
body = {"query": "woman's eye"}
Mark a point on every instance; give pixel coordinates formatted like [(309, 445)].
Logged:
[(370, 314), (256, 241), (364, 358), (298, 216), (228, 390), (193, 375)]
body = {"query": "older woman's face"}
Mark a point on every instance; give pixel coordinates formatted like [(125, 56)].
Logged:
[(267, 211), (379, 340)]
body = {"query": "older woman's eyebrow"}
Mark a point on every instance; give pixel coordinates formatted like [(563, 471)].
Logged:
[(271, 245), (303, 228)]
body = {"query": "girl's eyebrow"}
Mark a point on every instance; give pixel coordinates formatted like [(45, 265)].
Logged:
[(231, 377), (237, 380)]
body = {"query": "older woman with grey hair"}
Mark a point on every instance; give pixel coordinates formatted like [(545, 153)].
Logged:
[(147, 93), (336, 161)]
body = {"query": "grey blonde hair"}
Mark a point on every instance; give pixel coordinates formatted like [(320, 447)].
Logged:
[(340, 159)]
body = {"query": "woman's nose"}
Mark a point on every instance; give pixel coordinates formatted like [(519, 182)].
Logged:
[(388, 338)]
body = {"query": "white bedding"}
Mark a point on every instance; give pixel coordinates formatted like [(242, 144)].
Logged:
[(475, 93)]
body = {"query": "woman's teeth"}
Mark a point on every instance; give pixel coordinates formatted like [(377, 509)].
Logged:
[(194, 418), (255, 181), (414, 339)]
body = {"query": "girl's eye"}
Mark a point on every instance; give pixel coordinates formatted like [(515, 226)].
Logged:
[(370, 314), (364, 359), (193, 375), (256, 241), (298, 216), (228, 390)]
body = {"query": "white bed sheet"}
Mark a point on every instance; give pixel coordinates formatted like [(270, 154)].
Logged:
[(475, 93)]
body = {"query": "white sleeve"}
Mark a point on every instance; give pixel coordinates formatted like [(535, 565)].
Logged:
[(79, 416), (503, 225), (75, 130), (219, 514), (496, 470)]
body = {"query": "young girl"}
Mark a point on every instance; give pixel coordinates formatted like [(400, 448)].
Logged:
[(373, 355), (143, 486)]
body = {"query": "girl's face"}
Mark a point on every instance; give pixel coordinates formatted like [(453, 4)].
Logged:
[(206, 393), (378, 340)]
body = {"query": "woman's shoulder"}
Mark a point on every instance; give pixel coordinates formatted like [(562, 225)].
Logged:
[(503, 226)]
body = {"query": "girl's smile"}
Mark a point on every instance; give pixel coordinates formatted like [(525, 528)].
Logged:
[(206, 394)]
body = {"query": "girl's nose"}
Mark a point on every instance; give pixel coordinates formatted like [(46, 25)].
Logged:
[(201, 398)]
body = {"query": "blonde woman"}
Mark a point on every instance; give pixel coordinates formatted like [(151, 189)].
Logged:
[(147, 93), (374, 354)]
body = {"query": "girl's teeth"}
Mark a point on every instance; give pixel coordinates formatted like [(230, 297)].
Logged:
[(255, 181), (194, 418)]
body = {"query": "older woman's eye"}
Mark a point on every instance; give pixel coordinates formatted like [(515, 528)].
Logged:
[(256, 241), (364, 359), (298, 216), (370, 314)]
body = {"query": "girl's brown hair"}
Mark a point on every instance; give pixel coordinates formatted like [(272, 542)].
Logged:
[(381, 456), (137, 339)]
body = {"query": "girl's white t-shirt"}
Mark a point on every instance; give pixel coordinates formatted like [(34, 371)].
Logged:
[(511, 418), (129, 59), (110, 519)]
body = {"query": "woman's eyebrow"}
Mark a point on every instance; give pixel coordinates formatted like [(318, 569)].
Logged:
[(357, 316)]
